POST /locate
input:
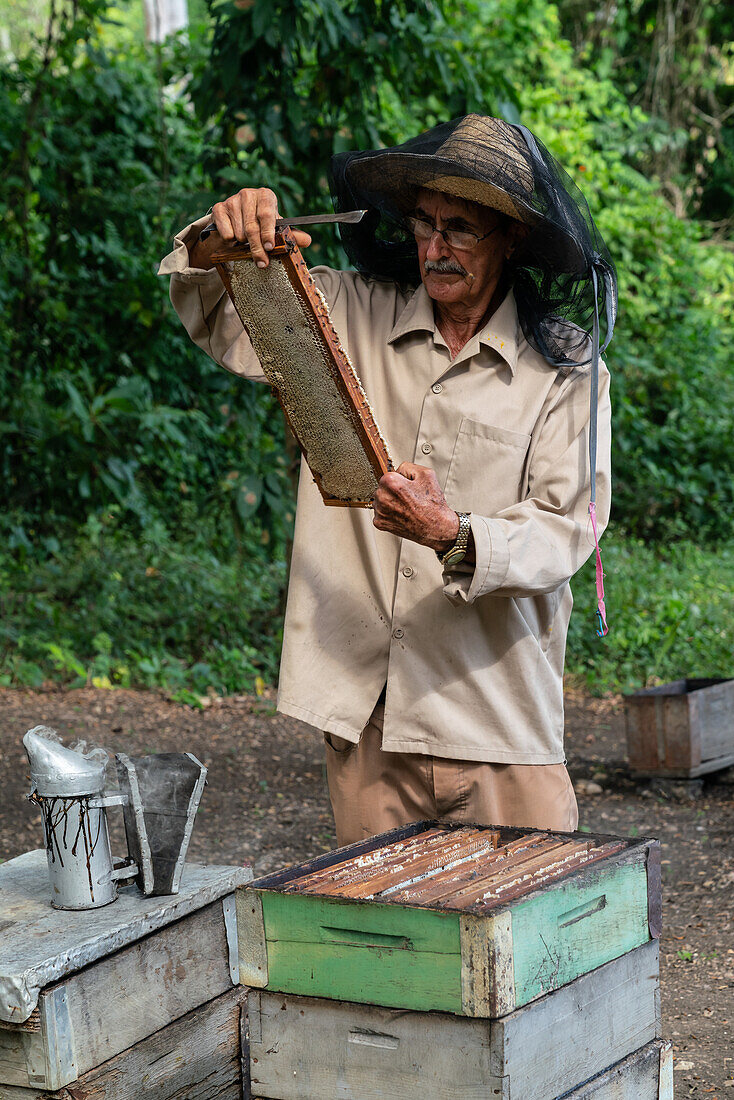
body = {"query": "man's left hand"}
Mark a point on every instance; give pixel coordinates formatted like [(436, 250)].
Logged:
[(409, 503)]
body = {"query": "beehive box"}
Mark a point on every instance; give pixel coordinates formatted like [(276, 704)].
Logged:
[(79, 988), (463, 919), (645, 1075), (681, 730), (200, 1055), (304, 1048)]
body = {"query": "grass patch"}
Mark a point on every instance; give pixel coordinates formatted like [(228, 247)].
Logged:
[(185, 615), (669, 611), (195, 614)]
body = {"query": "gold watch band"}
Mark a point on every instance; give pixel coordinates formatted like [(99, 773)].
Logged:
[(457, 552)]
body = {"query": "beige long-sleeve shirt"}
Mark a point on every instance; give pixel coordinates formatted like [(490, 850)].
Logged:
[(472, 658)]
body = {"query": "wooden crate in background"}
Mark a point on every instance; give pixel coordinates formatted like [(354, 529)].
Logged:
[(681, 730)]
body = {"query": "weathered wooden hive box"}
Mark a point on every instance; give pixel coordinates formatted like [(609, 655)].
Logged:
[(466, 920), (136, 999), (595, 1039), (681, 730)]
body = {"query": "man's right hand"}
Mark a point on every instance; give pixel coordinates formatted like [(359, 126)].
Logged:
[(247, 216)]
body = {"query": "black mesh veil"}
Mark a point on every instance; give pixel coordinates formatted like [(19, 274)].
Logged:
[(505, 167), (561, 274)]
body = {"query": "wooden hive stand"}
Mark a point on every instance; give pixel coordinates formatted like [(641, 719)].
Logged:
[(137, 999)]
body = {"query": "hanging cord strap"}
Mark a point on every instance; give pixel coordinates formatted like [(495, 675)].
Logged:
[(610, 303)]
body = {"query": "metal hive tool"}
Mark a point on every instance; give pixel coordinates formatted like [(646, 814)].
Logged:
[(301, 355)]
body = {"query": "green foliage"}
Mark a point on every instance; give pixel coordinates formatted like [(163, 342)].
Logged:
[(105, 400), (669, 610), (20, 20), (348, 74), (193, 615), (677, 62), (189, 615), (673, 389), (291, 83)]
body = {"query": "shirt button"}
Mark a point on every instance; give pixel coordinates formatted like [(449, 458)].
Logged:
[(426, 448), (397, 633), (436, 387), (407, 572)]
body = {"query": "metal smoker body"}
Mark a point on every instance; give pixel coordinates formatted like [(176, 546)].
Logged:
[(68, 788), (158, 811)]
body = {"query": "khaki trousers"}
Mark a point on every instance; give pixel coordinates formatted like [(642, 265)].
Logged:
[(372, 791)]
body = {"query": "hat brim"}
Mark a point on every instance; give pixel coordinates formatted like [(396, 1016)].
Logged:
[(395, 177), (398, 175)]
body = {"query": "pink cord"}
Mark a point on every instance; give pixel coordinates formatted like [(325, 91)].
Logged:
[(601, 610)]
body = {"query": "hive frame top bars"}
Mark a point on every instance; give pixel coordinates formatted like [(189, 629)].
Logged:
[(498, 865), (287, 320)]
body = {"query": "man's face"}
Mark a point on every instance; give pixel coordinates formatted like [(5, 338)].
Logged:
[(446, 272)]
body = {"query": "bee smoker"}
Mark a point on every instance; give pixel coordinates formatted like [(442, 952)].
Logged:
[(159, 795)]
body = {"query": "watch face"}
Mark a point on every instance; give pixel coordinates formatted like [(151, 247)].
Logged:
[(454, 557)]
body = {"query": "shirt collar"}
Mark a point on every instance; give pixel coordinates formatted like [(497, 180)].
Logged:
[(500, 333)]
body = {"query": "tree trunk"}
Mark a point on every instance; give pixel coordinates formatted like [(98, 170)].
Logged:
[(163, 17)]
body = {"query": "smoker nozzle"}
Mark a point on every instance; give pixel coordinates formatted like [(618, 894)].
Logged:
[(60, 772)]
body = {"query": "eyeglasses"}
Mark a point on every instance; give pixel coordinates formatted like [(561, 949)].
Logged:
[(462, 239)]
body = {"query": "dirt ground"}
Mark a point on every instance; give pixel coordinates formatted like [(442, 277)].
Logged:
[(266, 803)]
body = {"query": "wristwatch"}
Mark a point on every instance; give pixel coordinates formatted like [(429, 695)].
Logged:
[(457, 552)]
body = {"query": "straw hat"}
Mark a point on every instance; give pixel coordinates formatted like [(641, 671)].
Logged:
[(482, 159), (561, 273)]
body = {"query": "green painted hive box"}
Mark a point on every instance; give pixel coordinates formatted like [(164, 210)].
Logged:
[(472, 920)]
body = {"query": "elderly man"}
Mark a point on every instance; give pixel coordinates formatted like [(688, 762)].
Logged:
[(426, 639)]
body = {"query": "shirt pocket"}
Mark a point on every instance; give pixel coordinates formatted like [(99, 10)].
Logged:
[(486, 470)]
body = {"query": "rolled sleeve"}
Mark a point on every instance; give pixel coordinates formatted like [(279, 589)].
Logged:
[(491, 561), (538, 544), (205, 310), (177, 261)]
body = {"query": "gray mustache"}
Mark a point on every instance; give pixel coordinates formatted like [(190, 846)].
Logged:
[(444, 267)]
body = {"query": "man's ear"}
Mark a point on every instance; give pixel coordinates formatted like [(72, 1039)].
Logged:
[(516, 234)]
